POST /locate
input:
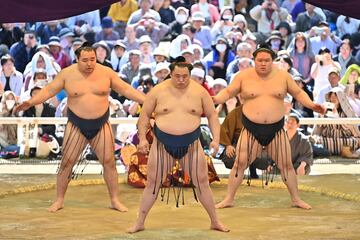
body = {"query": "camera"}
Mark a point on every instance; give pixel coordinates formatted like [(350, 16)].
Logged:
[(321, 60), (318, 30), (329, 106)]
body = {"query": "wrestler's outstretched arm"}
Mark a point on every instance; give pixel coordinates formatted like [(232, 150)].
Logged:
[(45, 93), (144, 119), (214, 124), (301, 96), (230, 91), (120, 86)]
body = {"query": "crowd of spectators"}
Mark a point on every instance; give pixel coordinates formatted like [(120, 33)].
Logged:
[(138, 40)]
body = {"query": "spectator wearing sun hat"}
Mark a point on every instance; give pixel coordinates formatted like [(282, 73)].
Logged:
[(131, 69), (118, 55), (199, 76), (77, 42), (202, 33), (57, 53), (160, 54), (181, 17), (188, 54), (218, 84), (333, 81), (210, 12), (161, 72), (146, 47), (102, 53), (66, 38)]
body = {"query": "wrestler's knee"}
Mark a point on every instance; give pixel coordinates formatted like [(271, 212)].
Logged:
[(151, 182), (240, 164), (109, 163), (66, 165)]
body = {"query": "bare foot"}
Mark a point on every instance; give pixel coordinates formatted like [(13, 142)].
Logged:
[(301, 204), (219, 227), (225, 204), (118, 206), (136, 228), (57, 205)]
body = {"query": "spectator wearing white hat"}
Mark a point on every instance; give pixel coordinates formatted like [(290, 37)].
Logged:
[(160, 55), (217, 85), (189, 30), (102, 53), (188, 54), (39, 78), (161, 72), (333, 81), (210, 12), (202, 33), (198, 75), (146, 49), (10, 78), (131, 69), (198, 52), (243, 54), (40, 60), (240, 22), (117, 56), (180, 43), (224, 24), (181, 17)]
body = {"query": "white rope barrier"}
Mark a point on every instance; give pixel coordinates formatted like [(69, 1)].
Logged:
[(28, 127), (53, 120)]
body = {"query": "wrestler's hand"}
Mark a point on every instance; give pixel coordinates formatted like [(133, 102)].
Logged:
[(22, 107), (230, 151), (215, 100), (319, 108), (214, 148), (143, 146)]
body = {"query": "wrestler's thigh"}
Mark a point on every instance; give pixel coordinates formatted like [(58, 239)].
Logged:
[(158, 162), (196, 164), (73, 144), (103, 145), (280, 150)]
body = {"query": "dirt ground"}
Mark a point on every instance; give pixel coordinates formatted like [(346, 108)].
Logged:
[(259, 213)]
